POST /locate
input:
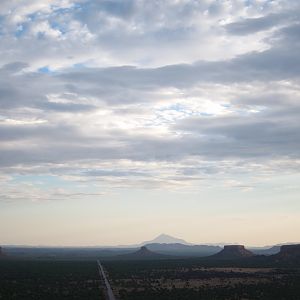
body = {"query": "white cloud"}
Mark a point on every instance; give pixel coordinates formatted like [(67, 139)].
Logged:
[(143, 33), (197, 89)]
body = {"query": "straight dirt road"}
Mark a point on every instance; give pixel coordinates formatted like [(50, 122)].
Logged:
[(110, 294)]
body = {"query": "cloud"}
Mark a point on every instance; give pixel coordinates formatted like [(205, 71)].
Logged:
[(270, 21), (65, 33), (149, 93)]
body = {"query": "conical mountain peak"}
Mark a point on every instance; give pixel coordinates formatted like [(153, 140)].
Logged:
[(166, 239)]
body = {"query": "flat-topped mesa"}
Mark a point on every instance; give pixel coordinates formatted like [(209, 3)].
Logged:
[(238, 250), (233, 252), (289, 251)]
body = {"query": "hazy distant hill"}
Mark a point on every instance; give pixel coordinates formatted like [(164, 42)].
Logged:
[(1, 253), (64, 252), (165, 247), (179, 249), (269, 250), (142, 254), (266, 251)]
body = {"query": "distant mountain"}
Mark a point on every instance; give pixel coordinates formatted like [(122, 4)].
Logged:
[(142, 254), (233, 252), (165, 239), (269, 250), (265, 250), (179, 249)]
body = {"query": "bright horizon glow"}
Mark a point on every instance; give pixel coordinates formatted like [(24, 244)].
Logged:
[(120, 120)]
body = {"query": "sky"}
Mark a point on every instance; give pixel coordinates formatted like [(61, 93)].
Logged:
[(124, 119)]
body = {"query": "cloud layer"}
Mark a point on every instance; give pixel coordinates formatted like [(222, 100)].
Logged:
[(150, 94)]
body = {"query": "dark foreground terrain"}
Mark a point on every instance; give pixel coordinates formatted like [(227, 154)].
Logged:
[(49, 280), (234, 273), (192, 279)]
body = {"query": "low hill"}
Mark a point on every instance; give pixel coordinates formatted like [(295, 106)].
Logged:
[(142, 254), (233, 252), (266, 250), (179, 249)]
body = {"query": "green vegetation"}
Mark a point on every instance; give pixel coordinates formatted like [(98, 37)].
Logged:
[(47, 280)]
